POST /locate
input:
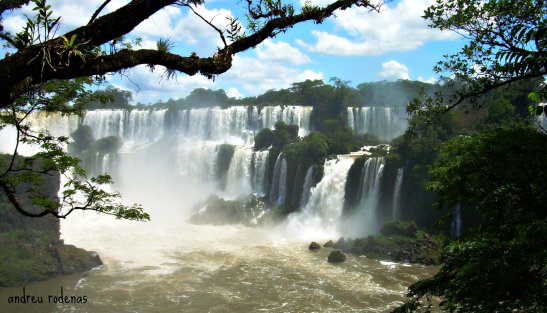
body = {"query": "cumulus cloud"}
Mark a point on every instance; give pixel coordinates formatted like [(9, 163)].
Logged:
[(430, 80), (234, 93), (281, 52), (14, 23), (393, 70), (257, 76), (190, 33), (150, 87), (187, 30), (398, 28)]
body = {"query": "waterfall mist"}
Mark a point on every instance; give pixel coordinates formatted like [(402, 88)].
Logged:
[(170, 160)]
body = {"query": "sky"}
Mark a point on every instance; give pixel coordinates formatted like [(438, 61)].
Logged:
[(354, 45)]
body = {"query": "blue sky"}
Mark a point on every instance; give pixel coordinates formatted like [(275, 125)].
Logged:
[(355, 45)]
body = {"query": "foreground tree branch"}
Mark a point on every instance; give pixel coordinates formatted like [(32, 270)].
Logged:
[(6, 5), (28, 66)]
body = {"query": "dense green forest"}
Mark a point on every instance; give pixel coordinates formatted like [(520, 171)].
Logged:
[(315, 93)]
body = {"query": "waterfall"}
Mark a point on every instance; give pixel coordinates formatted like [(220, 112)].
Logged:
[(177, 150), (306, 190), (384, 122), (320, 218), (456, 224), (364, 220), (198, 161), (239, 172), (397, 195), (292, 115), (542, 119), (279, 182), (55, 123), (258, 171)]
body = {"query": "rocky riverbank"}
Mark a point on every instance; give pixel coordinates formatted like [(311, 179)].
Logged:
[(397, 241), (31, 248)]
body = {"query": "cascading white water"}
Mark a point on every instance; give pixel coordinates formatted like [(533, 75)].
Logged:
[(239, 172), (292, 115), (320, 218), (56, 124), (396, 209), (364, 220), (259, 163), (384, 122), (306, 189), (456, 224), (185, 140), (279, 181)]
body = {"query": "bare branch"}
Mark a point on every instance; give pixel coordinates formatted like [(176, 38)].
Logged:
[(208, 23), (25, 68), (94, 16), (9, 40)]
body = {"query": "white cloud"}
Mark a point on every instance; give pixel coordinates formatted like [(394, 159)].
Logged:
[(148, 44), (161, 24), (430, 80), (281, 52), (257, 76), (178, 25), (14, 23), (398, 28), (150, 87), (188, 31), (320, 3), (78, 13), (393, 70), (234, 93)]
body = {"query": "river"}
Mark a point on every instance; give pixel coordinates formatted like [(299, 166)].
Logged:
[(177, 267)]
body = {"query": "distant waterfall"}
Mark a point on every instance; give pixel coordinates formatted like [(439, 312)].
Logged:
[(542, 119), (321, 215), (258, 171), (292, 115), (384, 122), (134, 127), (239, 172), (306, 190), (187, 139), (456, 224), (238, 124), (278, 189), (364, 220), (397, 194)]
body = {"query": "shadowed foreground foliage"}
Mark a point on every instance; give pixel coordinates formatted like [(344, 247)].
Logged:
[(500, 264)]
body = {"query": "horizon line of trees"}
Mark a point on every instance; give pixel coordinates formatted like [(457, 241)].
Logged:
[(306, 93)]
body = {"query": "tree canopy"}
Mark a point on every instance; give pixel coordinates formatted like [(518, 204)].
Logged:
[(507, 42), (493, 171), (499, 264)]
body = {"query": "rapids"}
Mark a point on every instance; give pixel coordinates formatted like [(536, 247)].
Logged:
[(176, 267)]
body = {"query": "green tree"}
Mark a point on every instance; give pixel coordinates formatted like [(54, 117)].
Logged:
[(203, 98), (53, 72), (111, 98), (500, 264), (507, 43)]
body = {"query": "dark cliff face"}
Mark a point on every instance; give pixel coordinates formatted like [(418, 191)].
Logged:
[(31, 248)]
